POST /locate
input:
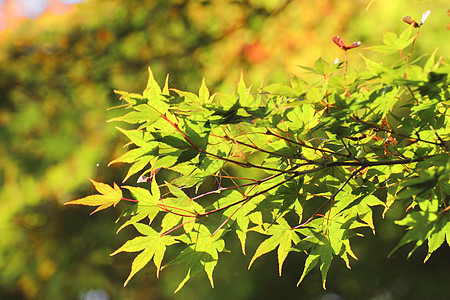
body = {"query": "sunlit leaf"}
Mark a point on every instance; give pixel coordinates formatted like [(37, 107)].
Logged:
[(153, 244), (110, 196)]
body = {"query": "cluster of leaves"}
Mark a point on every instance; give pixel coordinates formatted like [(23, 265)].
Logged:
[(303, 165)]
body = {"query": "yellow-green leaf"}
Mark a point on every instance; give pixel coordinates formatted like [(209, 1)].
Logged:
[(153, 244), (110, 196)]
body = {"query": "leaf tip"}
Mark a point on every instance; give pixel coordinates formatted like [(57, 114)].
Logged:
[(250, 264), (150, 72)]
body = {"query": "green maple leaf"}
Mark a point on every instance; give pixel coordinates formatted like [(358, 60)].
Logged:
[(201, 254), (320, 253), (241, 215), (153, 245), (338, 237), (139, 157), (109, 197), (283, 236), (423, 226), (440, 232), (364, 210), (146, 207)]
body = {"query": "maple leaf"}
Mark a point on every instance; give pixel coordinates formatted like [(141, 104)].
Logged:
[(202, 253), (153, 245), (110, 196), (282, 237), (147, 205), (320, 253)]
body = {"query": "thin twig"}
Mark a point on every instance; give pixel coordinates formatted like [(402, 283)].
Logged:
[(302, 144), (223, 224), (375, 126)]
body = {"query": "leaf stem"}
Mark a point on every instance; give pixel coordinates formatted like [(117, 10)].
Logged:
[(129, 200), (178, 226)]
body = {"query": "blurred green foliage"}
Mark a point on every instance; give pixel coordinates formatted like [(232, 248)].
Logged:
[(57, 76)]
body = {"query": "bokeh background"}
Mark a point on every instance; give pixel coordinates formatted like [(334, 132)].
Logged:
[(59, 64)]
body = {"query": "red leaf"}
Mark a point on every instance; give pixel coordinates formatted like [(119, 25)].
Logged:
[(338, 41)]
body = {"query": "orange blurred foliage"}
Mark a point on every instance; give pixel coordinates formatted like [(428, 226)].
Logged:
[(12, 13)]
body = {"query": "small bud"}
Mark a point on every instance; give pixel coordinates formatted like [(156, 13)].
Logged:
[(409, 20), (143, 178)]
